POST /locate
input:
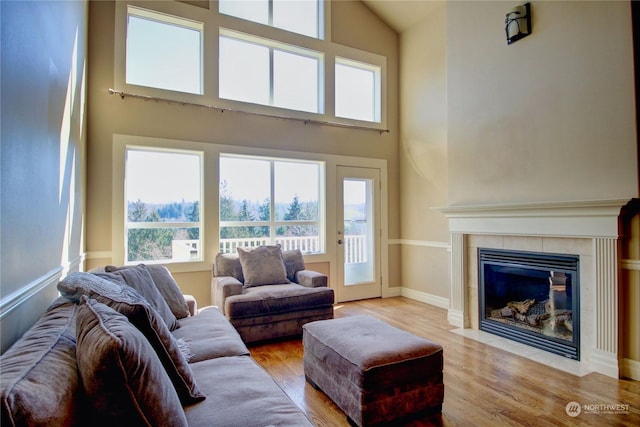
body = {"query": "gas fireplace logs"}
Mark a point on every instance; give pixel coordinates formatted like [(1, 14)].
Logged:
[(541, 314)]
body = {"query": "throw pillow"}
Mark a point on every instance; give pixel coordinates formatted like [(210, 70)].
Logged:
[(293, 262), (228, 265), (121, 374), (167, 285), (262, 266), (140, 279), (130, 303)]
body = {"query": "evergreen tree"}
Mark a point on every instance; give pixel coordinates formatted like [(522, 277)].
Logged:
[(193, 215), (245, 215), (264, 210), (294, 212), (227, 212), (137, 211), (146, 244)]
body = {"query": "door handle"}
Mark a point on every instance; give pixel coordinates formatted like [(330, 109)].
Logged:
[(340, 241)]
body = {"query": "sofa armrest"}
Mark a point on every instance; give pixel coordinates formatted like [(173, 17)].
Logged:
[(223, 287), (311, 279), (192, 304)]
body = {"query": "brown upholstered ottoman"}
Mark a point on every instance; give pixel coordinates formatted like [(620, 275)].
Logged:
[(374, 372)]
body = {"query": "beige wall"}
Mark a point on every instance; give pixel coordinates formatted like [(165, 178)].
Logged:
[(423, 155), (629, 302), (353, 24), (549, 118)]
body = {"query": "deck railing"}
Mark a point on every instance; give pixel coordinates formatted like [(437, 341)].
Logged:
[(355, 246)]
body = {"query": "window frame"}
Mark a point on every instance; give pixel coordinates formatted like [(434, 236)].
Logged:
[(274, 223), (213, 21), (320, 19), (168, 19), (137, 225), (210, 198), (272, 46), (377, 85)]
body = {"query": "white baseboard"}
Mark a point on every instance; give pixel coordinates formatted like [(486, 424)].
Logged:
[(396, 291), (630, 369), (604, 362), (425, 297)]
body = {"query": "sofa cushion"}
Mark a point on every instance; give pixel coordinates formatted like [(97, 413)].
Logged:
[(167, 286), (139, 278), (228, 265), (293, 262), (262, 266), (121, 373), (127, 301), (39, 382), (269, 300), (252, 400), (209, 334)]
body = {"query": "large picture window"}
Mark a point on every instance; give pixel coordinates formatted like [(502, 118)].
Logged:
[(163, 203), (270, 201)]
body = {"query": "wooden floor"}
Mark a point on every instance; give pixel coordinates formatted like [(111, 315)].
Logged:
[(484, 386)]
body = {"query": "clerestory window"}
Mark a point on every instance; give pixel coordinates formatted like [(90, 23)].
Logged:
[(164, 51), (236, 57), (357, 90), (299, 16), (266, 72)]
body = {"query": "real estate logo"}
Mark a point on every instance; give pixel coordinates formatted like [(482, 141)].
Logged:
[(573, 409)]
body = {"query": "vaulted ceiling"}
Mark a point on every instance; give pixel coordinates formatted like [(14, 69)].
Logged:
[(402, 14)]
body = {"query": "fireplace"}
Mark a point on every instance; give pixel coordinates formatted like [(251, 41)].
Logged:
[(532, 298), (589, 229)]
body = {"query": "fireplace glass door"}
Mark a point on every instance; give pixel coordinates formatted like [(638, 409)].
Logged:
[(531, 298)]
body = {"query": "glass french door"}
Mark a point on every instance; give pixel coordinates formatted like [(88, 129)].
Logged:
[(358, 233)]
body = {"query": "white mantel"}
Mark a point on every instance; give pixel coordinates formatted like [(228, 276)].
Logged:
[(594, 223)]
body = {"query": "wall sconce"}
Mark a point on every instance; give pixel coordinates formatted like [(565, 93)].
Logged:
[(518, 23)]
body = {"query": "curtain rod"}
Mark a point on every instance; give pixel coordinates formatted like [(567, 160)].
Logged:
[(123, 95)]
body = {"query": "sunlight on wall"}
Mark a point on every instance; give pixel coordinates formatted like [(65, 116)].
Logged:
[(65, 127), (70, 129)]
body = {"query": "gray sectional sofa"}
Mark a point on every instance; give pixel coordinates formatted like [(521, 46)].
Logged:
[(122, 347)]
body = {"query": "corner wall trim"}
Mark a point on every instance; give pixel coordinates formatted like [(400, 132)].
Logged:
[(15, 299), (99, 254), (425, 243), (12, 301)]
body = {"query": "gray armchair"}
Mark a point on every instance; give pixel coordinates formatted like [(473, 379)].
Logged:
[(267, 293)]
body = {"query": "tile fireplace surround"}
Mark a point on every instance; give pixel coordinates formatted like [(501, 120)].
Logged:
[(585, 228)]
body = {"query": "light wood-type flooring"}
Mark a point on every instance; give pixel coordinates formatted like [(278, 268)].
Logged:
[(484, 386)]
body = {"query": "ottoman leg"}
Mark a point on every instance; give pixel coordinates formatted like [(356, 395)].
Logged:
[(310, 381)]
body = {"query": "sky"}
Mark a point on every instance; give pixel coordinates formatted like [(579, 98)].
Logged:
[(164, 177), (250, 179)]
